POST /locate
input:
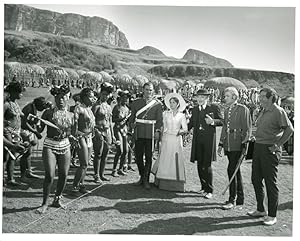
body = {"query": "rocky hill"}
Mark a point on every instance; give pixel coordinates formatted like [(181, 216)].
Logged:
[(148, 50), (98, 30), (76, 42), (198, 57)]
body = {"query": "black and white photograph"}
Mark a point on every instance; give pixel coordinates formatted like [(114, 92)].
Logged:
[(125, 118)]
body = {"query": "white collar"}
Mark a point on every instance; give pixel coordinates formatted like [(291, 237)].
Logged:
[(202, 107)]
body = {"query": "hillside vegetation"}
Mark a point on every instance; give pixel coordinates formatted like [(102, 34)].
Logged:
[(69, 52)]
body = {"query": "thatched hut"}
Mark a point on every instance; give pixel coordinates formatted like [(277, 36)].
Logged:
[(125, 79), (288, 101), (23, 72), (224, 82), (91, 78), (56, 75), (170, 85), (72, 74), (106, 77), (80, 72), (141, 79)]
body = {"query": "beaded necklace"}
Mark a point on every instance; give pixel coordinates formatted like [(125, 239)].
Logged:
[(61, 118)]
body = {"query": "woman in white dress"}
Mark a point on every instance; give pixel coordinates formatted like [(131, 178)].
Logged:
[(169, 169)]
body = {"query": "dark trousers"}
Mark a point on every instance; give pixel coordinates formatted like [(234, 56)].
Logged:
[(236, 191), (143, 146), (206, 176), (204, 159), (265, 167)]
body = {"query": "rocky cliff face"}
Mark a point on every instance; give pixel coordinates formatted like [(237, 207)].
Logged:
[(202, 58), (99, 30)]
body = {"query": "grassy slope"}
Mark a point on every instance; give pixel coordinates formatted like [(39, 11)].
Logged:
[(132, 62), (130, 58)]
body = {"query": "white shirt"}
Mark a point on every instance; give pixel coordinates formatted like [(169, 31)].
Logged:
[(202, 107)]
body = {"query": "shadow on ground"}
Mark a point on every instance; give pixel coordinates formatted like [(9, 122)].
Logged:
[(155, 207), (187, 225)]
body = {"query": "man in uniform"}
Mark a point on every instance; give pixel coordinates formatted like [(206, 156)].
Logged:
[(235, 135), (146, 121), (205, 117)]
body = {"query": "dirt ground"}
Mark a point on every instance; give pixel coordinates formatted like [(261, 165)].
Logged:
[(119, 207)]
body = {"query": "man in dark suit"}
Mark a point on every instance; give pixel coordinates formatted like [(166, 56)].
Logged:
[(146, 122), (205, 117)]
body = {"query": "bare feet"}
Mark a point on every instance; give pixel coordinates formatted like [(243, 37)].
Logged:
[(42, 209)]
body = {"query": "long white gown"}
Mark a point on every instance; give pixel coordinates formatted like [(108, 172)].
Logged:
[(169, 171)]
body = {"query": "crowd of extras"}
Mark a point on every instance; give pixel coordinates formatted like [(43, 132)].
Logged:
[(80, 129)]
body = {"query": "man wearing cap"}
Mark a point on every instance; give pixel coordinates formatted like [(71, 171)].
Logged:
[(103, 132), (205, 117), (146, 122)]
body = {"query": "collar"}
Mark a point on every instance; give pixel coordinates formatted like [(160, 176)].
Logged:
[(147, 100), (271, 108), (233, 105), (203, 106)]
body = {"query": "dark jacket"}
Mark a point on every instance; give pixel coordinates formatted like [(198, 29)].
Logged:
[(237, 127), (154, 113), (202, 130)]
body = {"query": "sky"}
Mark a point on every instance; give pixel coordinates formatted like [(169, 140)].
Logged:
[(248, 37)]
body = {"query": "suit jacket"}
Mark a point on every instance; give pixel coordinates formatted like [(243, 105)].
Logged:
[(143, 130), (203, 131), (237, 127)]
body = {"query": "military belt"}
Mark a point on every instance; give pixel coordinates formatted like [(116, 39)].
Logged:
[(145, 121), (233, 130)]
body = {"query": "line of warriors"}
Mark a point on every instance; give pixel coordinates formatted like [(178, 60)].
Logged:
[(88, 129)]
